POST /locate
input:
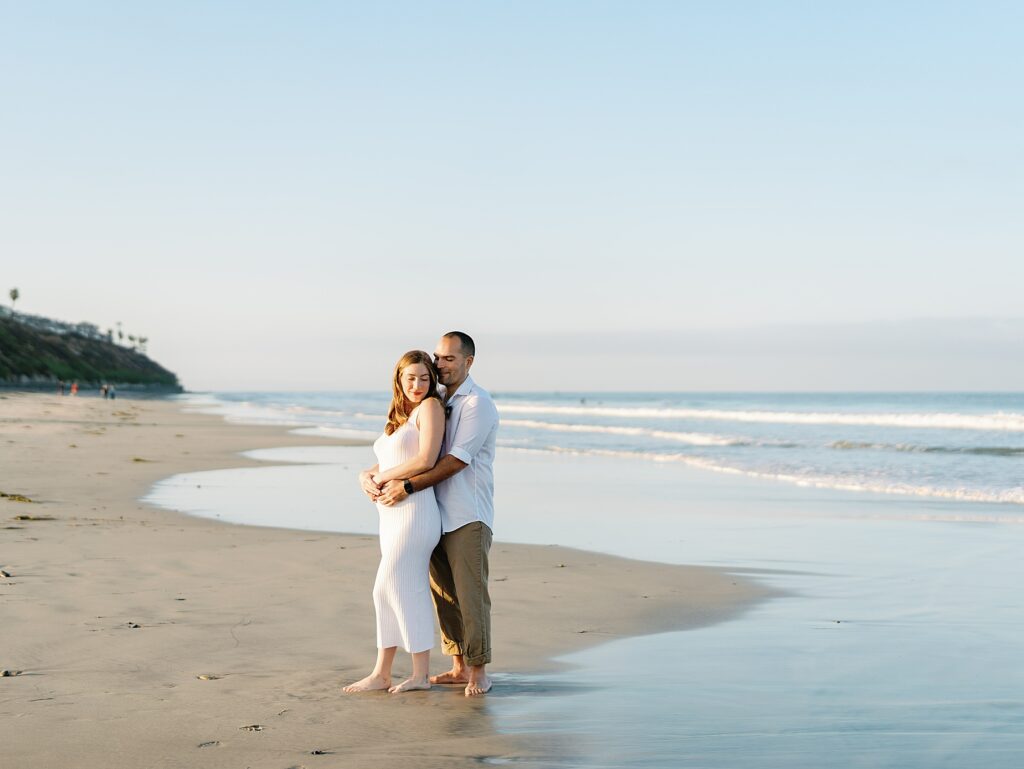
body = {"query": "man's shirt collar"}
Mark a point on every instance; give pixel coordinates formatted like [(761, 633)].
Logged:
[(464, 389)]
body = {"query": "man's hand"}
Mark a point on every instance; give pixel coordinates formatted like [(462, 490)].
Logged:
[(370, 489), (392, 493)]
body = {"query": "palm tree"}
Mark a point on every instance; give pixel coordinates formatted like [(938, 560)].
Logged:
[(120, 333), (15, 293)]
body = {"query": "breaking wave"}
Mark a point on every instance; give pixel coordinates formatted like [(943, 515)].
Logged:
[(987, 451), (1006, 422), (1014, 496)]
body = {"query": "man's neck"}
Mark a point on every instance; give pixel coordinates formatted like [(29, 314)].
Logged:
[(450, 389)]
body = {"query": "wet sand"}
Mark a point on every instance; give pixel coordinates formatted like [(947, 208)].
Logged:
[(140, 637)]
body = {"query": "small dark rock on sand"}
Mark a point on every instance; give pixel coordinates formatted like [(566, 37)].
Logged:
[(16, 497), (9, 673)]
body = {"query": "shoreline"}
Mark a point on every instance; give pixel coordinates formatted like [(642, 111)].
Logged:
[(115, 607)]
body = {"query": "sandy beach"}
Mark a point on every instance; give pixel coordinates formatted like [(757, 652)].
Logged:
[(140, 637)]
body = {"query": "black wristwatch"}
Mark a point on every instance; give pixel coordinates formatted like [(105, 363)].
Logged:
[(407, 485)]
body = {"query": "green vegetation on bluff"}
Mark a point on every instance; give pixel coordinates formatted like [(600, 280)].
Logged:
[(34, 351)]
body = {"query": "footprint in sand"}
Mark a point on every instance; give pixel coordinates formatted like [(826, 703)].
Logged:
[(208, 677), (252, 728), (210, 744), (9, 673)]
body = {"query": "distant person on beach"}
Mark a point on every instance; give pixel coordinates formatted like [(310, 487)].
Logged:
[(60, 386), (409, 531), (463, 480), (103, 391), (74, 388), (111, 392)]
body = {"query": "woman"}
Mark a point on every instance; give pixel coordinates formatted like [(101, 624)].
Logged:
[(410, 529)]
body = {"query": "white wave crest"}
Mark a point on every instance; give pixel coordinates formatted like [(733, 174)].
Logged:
[(245, 413), (1007, 422), (350, 433), (1014, 496), (694, 439), (989, 451)]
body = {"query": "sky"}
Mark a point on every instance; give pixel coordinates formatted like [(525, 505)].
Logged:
[(606, 195)]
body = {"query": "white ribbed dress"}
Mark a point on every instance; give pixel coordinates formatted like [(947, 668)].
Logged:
[(408, 533)]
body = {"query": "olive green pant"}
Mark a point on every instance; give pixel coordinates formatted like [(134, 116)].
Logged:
[(458, 583)]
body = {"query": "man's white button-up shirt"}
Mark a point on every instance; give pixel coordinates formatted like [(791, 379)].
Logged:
[(470, 433)]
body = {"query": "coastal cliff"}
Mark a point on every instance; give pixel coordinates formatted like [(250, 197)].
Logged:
[(36, 352)]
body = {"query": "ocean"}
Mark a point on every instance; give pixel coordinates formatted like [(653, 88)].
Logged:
[(959, 446)]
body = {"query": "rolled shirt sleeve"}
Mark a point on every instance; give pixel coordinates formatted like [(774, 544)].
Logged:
[(479, 418)]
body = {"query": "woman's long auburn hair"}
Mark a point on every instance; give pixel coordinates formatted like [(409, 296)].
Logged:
[(401, 407)]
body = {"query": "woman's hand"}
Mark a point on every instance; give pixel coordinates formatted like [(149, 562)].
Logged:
[(369, 486)]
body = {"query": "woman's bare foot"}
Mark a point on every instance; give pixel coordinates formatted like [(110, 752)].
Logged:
[(410, 685), (478, 684), (453, 676), (371, 683)]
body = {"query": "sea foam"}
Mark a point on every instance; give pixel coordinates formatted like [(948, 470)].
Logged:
[(1013, 496), (1009, 422)]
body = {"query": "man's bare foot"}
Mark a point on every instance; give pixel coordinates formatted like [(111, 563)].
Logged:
[(371, 683), (480, 684), (410, 685), (453, 676)]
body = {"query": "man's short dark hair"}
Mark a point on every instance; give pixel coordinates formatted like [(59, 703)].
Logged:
[(468, 347)]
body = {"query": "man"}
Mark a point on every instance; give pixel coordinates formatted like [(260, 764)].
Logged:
[(464, 484)]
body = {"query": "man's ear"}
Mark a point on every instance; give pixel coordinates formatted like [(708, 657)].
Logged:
[(469, 361)]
